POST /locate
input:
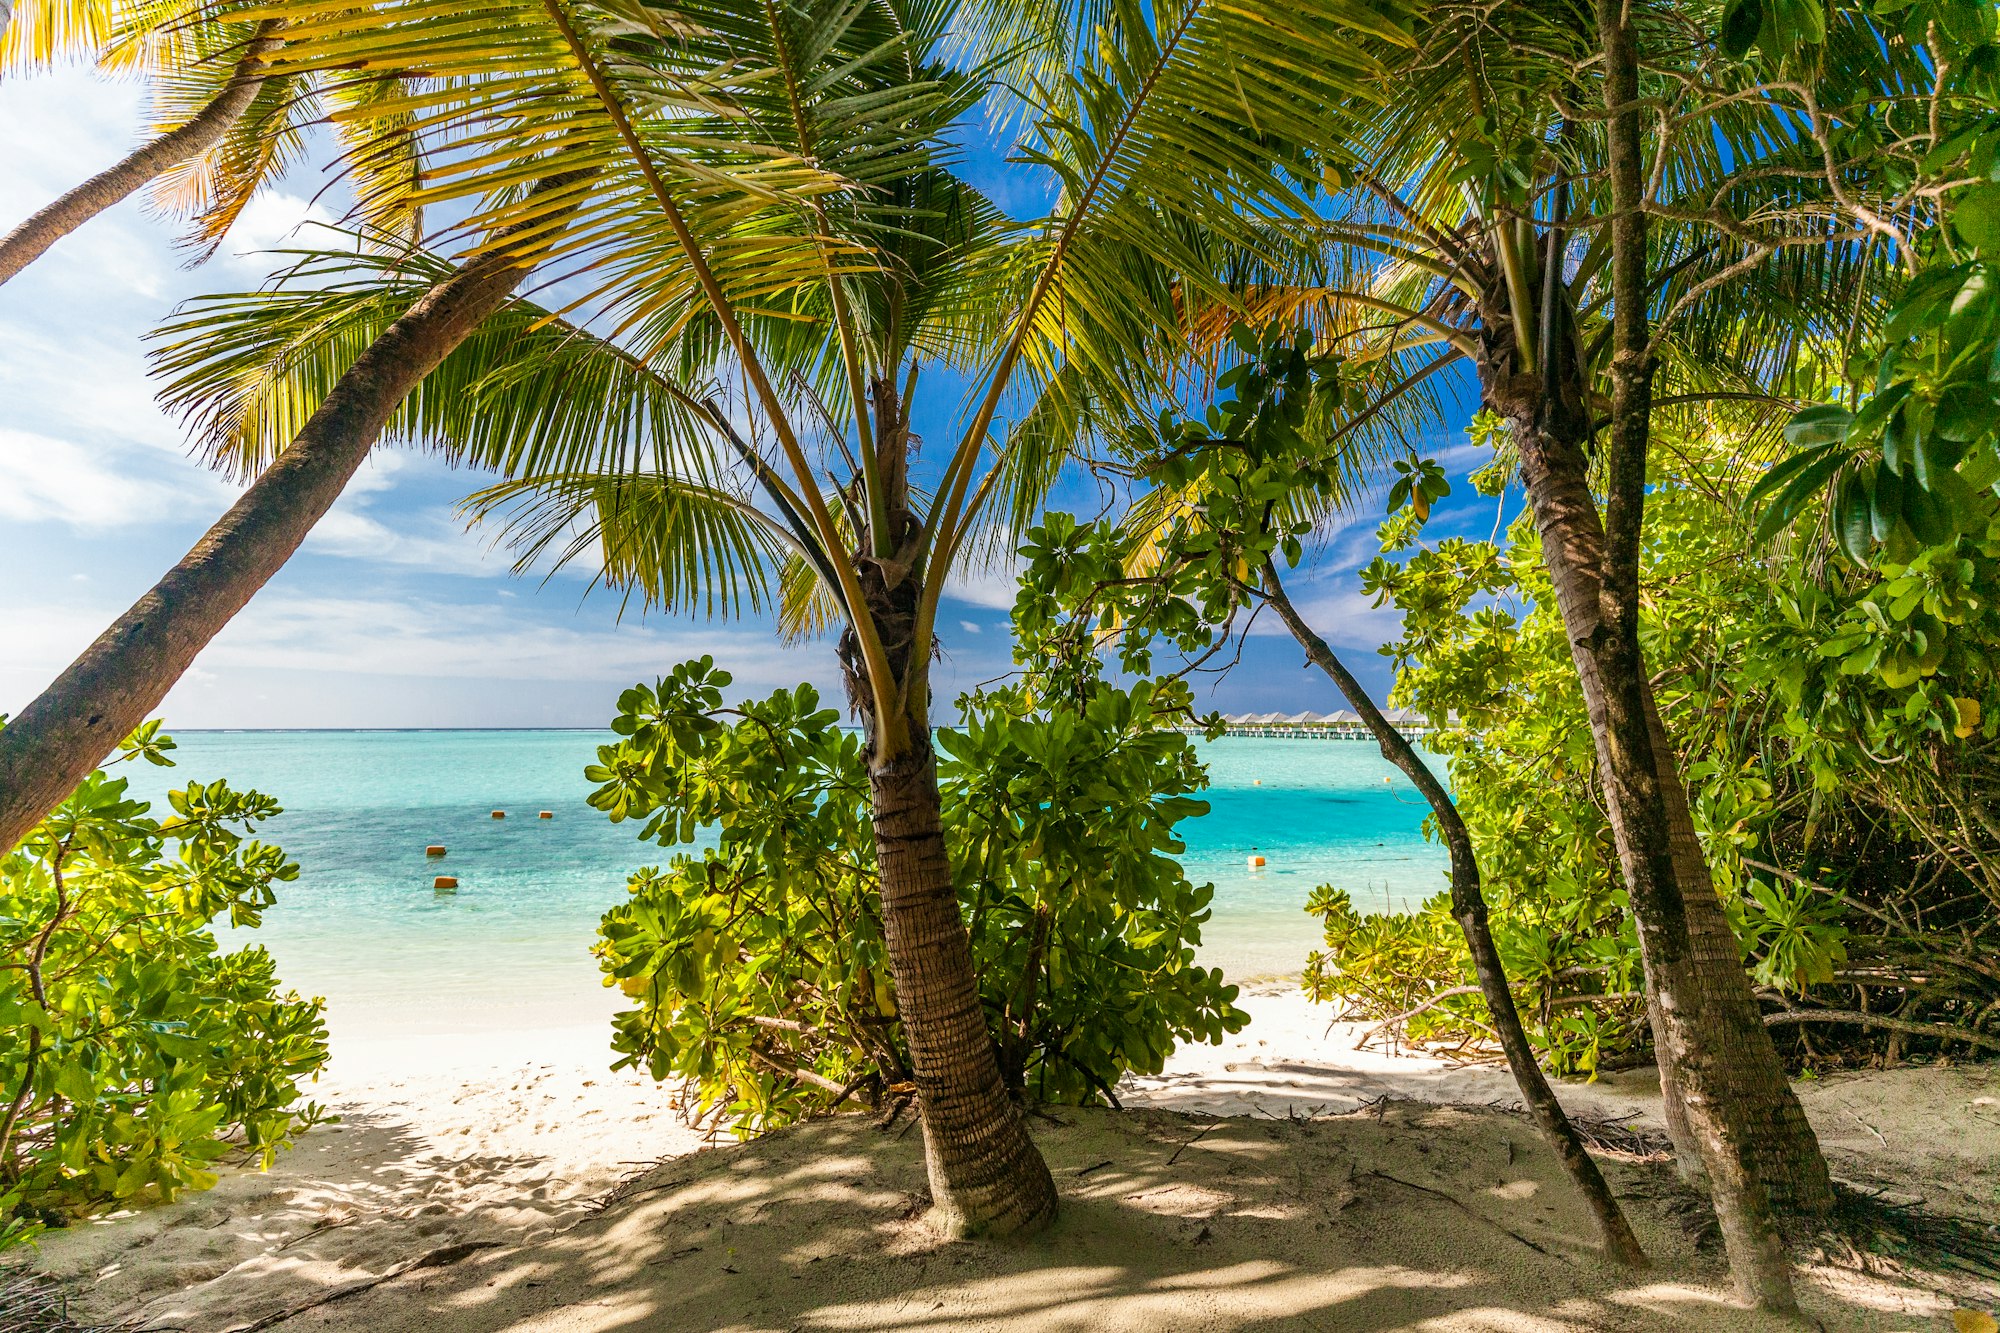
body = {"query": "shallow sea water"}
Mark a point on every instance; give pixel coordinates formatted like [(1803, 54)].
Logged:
[(510, 948)]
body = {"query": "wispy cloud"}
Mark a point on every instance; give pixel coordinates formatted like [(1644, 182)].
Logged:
[(44, 479), (994, 585), (395, 636)]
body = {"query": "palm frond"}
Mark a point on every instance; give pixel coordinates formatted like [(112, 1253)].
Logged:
[(527, 393), (679, 543)]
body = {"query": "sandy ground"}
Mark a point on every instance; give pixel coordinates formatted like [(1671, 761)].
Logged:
[(465, 1189)]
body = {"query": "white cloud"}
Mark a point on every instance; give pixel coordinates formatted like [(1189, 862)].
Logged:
[(438, 543), (276, 220), (44, 479), (395, 637), (401, 637), (968, 627), (994, 585)]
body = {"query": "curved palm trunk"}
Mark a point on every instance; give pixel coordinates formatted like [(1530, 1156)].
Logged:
[(986, 1175), (1468, 905), (105, 693), (29, 241)]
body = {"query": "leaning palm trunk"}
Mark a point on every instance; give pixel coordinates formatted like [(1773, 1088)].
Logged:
[(1468, 905), (29, 241), (105, 693)]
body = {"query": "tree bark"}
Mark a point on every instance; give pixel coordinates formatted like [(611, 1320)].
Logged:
[(27, 242), (105, 693), (986, 1175), (1748, 1129), (1724, 1081), (1468, 905)]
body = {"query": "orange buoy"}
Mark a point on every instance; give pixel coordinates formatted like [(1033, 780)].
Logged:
[(1256, 782), (1256, 863), (499, 814), (435, 849), (548, 814), (444, 882)]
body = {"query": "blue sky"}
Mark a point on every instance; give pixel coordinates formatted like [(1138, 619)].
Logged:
[(393, 615)]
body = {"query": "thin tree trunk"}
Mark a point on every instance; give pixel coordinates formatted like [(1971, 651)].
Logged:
[(1780, 1147), (986, 1175), (1782, 1151), (55, 742), (27, 242), (1468, 905)]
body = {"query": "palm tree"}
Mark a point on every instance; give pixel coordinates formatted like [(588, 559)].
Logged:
[(239, 56), (59, 737), (231, 120), (552, 204), (823, 304), (1707, 261)]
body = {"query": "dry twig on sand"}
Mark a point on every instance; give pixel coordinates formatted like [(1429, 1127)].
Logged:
[(30, 1303)]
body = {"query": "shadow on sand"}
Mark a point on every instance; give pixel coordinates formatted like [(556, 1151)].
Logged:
[(1404, 1217)]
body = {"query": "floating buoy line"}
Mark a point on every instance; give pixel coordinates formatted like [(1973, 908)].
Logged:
[(437, 849)]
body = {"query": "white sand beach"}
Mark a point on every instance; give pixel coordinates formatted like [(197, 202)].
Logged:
[(510, 1182)]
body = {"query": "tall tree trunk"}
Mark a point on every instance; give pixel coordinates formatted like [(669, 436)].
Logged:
[(1468, 905), (987, 1177), (105, 693), (1723, 1078), (27, 242), (1749, 1131)]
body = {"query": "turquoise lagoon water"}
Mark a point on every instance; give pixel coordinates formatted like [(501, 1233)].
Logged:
[(362, 926)]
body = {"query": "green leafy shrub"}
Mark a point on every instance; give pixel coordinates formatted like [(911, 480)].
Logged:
[(1383, 964), (1835, 722), (133, 1052), (758, 966)]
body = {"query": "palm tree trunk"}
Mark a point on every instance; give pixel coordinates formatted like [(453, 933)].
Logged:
[(105, 693), (27, 242), (1748, 1129), (1468, 905), (986, 1175), (1717, 1064)]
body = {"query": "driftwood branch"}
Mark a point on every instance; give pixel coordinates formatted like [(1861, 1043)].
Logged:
[(820, 1081), (437, 1258), (1944, 1031), (1397, 1020)]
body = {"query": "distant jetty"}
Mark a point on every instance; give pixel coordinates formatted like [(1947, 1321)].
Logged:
[(1340, 726)]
